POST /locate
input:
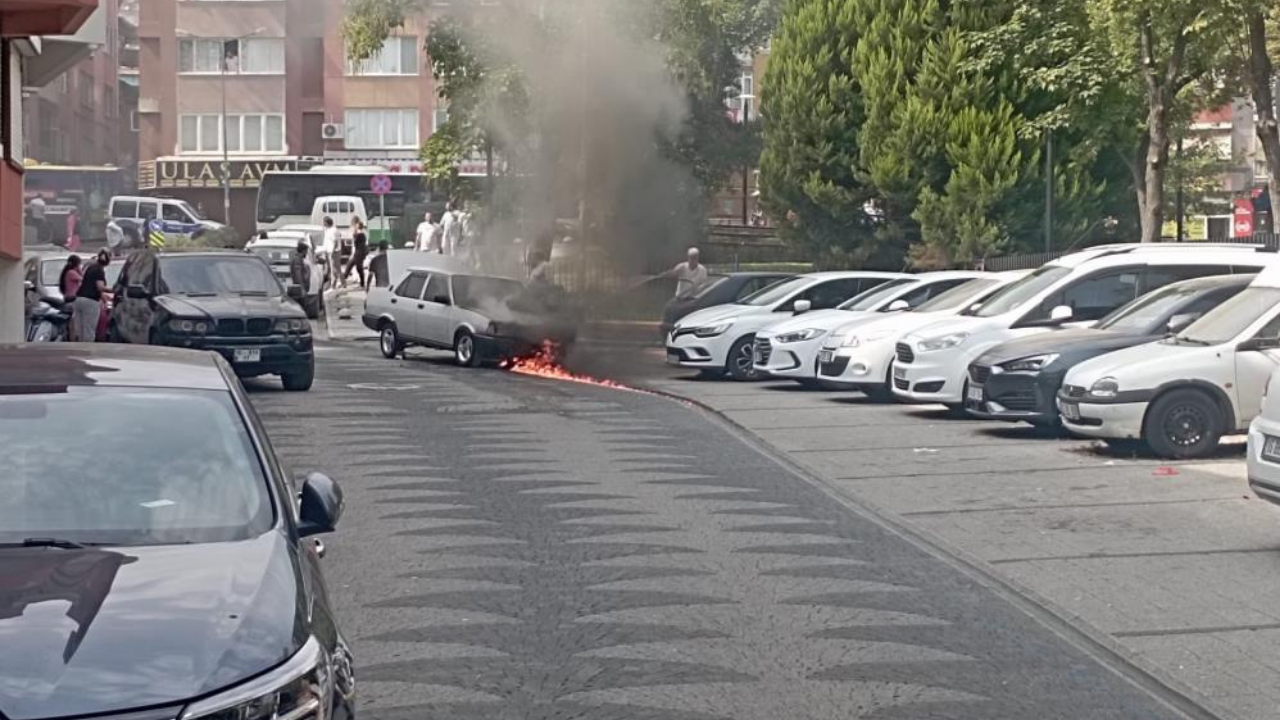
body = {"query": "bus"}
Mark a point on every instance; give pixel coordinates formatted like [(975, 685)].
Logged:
[(286, 198), (85, 189)]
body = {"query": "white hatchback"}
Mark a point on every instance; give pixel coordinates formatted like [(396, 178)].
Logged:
[(789, 348), (1182, 394), (1264, 444), (720, 339)]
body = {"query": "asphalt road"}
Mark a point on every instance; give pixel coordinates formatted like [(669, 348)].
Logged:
[(522, 548)]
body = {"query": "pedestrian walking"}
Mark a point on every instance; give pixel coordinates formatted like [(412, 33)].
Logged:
[(88, 304), (359, 254), (689, 274), (332, 251), (427, 237), (451, 227), (299, 269), (73, 230), (379, 269)]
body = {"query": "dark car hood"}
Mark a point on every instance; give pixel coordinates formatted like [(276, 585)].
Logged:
[(229, 306), (1063, 342), (105, 630)]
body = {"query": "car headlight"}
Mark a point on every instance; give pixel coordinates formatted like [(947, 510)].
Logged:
[(292, 325), (1035, 363), (799, 335), (188, 327), (300, 688), (943, 343), (712, 330), (1106, 387)]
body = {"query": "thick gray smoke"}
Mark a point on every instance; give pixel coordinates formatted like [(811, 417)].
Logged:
[(603, 105)]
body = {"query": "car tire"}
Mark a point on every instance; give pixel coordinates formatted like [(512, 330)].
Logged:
[(389, 341), (464, 349), (956, 410), (1183, 424), (741, 361), (300, 381)]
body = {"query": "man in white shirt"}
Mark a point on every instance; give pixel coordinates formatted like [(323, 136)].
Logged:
[(452, 229), (689, 274), (428, 236), (331, 248)]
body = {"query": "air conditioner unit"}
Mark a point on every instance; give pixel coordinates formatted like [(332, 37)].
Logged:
[(333, 131)]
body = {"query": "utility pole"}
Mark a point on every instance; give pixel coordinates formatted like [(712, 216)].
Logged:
[(1048, 191), (746, 166)]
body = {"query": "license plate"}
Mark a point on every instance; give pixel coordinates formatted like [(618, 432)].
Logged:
[(826, 356), (247, 355), (975, 394), (899, 373), (673, 359), (1271, 448), (1070, 410)]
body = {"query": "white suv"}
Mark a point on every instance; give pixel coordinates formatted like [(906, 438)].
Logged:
[(932, 362), (720, 339), (480, 318), (789, 348), (858, 355), (1183, 393)]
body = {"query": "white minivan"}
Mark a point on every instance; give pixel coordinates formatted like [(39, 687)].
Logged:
[(131, 212), (1079, 289), (1182, 394)]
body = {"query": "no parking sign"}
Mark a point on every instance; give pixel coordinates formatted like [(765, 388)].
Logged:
[(380, 184)]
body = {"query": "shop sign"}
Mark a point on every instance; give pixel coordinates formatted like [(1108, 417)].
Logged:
[(183, 173)]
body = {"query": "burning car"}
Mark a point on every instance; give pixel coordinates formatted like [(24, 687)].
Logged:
[(480, 318)]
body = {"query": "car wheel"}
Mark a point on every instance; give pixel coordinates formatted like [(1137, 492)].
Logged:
[(299, 381), (741, 362), (956, 410), (389, 341), (1183, 424), (464, 349)]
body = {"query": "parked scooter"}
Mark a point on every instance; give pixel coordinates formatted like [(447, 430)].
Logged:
[(49, 321)]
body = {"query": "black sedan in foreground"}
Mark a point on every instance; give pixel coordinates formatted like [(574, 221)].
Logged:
[(717, 290), (232, 304), (159, 564), (1018, 380)]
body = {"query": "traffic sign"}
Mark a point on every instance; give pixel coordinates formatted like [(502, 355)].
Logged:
[(380, 184)]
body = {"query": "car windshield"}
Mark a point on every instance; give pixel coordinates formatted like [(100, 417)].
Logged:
[(218, 275), (776, 292), (51, 271), (1225, 322), (1023, 291), (1148, 314), (958, 296), (129, 466), (874, 297), (474, 292), (700, 291)]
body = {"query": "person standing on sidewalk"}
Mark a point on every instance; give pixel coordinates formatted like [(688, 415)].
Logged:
[(451, 227), (88, 305), (330, 246), (359, 254)]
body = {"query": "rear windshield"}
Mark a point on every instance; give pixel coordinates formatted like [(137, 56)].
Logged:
[(190, 474)]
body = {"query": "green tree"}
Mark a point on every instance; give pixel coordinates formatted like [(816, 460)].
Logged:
[(810, 169)]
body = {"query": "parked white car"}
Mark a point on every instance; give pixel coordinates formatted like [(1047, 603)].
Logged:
[(1078, 289), (1264, 444), (858, 355), (789, 348), (720, 339), (479, 318), (1182, 394), (277, 249)]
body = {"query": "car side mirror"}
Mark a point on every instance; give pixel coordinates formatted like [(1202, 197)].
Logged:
[(441, 300), (975, 307), (1061, 314), (802, 306), (897, 305), (1179, 322), (320, 506), (136, 292), (296, 292), (28, 285)]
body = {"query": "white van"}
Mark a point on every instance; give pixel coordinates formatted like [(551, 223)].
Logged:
[(179, 218), (1183, 393), (344, 209), (1079, 289)]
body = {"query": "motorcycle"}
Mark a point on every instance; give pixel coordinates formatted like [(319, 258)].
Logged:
[(48, 321)]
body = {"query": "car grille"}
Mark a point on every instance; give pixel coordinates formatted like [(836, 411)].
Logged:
[(1019, 401), (1074, 391), (259, 326), (979, 374), (764, 350), (901, 383), (250, 327), (905, 355), (231, 328)]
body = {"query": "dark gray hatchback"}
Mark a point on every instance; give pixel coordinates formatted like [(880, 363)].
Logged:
[(154, 563)]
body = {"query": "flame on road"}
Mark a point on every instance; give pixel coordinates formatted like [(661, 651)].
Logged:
[(545, 363)]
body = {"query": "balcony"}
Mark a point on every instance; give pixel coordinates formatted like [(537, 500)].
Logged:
[(26, 18), (59, 53)]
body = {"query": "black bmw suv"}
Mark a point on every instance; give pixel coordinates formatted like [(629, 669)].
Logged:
[(233, 304)]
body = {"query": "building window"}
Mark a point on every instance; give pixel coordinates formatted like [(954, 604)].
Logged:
[(250, 56), (439, 116), (109, 102), (398, 56), (84, 83), (382, 129), (245, 134), (64, 83)]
